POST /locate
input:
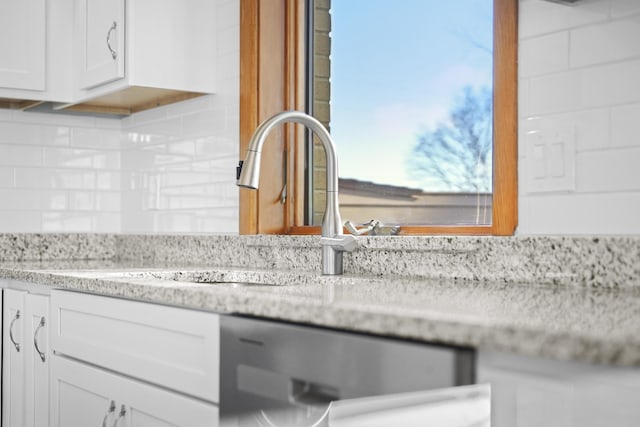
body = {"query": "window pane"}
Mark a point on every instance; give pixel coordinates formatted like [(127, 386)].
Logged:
[(405, 88)]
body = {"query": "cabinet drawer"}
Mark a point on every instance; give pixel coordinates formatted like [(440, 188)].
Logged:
[(172, 347)]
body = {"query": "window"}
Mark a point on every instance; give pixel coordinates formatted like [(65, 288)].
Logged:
[(273, 51)]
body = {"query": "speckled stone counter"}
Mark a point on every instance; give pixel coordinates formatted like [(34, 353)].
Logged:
[(571, 298), (557, 321)]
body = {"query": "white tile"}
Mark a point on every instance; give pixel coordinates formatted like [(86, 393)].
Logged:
[(592, 87), (538, 17), (611, 84), (6, 115), (7, 177), (82, 200), (227, 67), (68, 222), (523, 98), (102, 139), (20, 222), (18, 155), (544, 54), (227, 14), (54, 119), (30, 178), (107, 222), (608, 170), (204, 123), (555, 93), (624, 7), (625, 126), (228, 40), (69, 179), (55, 201), (108, 181), (107, 201), (20, 199), (591, 126), (580, 214), (605, 42)]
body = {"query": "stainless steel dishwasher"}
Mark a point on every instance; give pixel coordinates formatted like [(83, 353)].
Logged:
[(281, 374)]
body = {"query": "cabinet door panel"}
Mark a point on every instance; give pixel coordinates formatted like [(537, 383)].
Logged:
[(99, 41), (172, 347), (13, 361), (36, 351), (22, 43), (81, 395)]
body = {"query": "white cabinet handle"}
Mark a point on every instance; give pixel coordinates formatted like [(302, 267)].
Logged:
[(16, 344), (112, 409), (35, 339), (123, 413), (114, 54)]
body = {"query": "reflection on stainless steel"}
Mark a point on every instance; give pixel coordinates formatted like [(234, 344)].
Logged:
[(287, 375)]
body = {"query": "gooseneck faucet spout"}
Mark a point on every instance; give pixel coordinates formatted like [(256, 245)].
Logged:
[(333, 241)]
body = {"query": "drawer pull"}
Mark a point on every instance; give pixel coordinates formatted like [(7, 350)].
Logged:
[(112, 409), (35, 339), (114, 54), (13, 341), (123, 413)]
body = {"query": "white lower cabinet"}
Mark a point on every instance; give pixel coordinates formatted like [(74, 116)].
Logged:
[(26, 355), (121, 363), (84, 395), (532, 392)]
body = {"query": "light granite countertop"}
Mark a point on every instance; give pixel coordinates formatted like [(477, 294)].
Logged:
[(567, 322)]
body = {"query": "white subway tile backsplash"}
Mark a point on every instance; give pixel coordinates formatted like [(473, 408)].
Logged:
[(7, 177), (14, 199), (624, 7), (600, 86), (539, 17), (605, 42), (599, 97), (20, 221), (544, 54), (576, 213), (96, 138), (625, 126), (608, 170), (53, 119), (19, 155)]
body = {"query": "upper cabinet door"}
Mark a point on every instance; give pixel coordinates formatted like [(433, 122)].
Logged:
[(22, 44), (99, 41)]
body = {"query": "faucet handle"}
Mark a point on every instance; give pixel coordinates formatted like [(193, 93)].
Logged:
[(341, 242), (369, 228)]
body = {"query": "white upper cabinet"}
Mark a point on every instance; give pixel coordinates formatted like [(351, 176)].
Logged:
[(99, 30), (133, 55), (106, 56), (22, 44), (35, 53)]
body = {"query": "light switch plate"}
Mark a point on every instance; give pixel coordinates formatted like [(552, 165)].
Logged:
[(551, 159)]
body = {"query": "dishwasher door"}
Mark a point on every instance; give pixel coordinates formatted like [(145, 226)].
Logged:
[(280, 374)]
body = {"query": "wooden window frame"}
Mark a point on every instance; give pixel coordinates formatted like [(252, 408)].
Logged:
[(272, 79)]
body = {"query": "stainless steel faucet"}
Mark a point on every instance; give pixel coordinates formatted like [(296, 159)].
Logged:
[(334, 242)]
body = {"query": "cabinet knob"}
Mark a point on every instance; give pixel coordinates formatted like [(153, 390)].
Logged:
[(35, 339), (13, 341), (114, 54)]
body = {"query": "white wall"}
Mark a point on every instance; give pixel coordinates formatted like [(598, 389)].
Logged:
[(579, 107), (170, 169)]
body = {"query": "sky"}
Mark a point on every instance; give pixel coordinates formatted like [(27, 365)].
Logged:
[(397, 67)]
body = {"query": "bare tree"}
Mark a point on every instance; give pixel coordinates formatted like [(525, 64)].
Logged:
[(456, 156)]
